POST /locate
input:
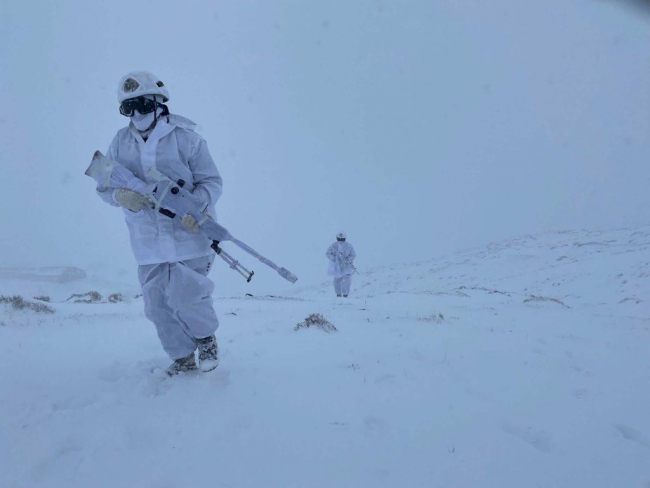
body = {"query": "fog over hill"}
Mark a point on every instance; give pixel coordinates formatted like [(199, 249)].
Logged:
[(420, 128)]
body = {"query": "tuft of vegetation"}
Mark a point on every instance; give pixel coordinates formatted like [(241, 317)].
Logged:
[(115, 297), (19, 303), (42, 298), (318, 321), (88, 297), (435, 318)]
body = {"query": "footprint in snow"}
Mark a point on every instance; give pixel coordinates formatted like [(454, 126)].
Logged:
[(219, 378), (375, 426), (114, 372), (74, 402), (537, 439), (631, 434), (67, 453)]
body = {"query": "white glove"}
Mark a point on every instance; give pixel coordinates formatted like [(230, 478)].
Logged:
[(190, 223), (132, 200)]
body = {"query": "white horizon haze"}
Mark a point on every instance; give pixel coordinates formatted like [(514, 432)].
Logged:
[(419, 128)]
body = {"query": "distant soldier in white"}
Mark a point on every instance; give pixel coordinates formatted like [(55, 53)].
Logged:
[(173, 257), (341, 256)]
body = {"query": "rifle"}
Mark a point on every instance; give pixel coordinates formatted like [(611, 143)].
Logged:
[(348, 263), (170, 199)]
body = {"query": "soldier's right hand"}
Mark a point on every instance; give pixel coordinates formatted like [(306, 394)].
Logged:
[(132, 200)]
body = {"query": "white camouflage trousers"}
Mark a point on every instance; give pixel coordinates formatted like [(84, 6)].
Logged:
[(178, 300), (342, 285)]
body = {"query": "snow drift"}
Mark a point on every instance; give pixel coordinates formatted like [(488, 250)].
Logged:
[(524, 363)]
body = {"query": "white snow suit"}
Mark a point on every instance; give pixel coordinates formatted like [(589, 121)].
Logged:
[(341, 256), (178, 300), (173, 262)]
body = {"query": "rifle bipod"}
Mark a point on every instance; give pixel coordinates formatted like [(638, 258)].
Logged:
[(232, 262)]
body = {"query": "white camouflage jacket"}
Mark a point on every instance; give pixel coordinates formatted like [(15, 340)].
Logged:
[(341, 256), (174, 149)]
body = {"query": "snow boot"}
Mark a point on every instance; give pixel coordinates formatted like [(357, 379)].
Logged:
[(182, 365), (208, 353)]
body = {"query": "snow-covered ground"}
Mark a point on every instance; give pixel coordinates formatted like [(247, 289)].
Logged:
[(522, 364)]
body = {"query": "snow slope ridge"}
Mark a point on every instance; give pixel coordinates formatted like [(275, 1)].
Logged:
[(577, 268), (57, 274)]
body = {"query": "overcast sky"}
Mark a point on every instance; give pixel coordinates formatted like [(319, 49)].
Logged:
[(419, 127)]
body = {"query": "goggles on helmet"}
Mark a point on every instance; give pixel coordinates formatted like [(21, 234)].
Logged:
[(141, 104)]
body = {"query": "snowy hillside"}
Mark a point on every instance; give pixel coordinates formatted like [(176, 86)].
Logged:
[(521, 364), (579, 268)]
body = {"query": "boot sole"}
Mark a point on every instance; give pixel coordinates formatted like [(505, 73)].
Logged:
[(208, 366)]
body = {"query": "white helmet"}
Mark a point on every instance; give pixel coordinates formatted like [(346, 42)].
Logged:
[(341, 235), (139, 83)]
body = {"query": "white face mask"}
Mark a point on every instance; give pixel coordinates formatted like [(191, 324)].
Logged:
[(142, 122)]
